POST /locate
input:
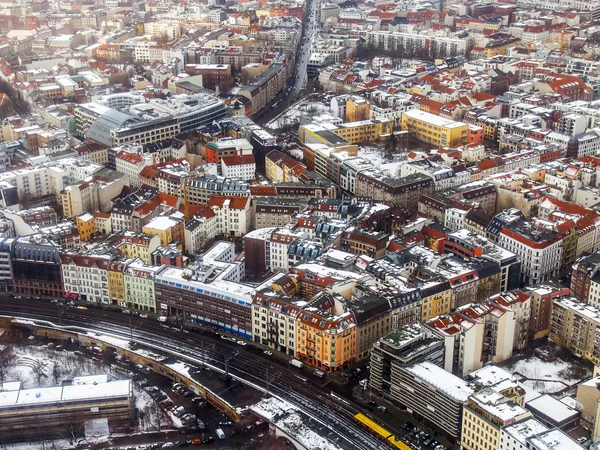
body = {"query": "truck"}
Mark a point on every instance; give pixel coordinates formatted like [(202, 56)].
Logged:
[(162, 319), (296, 363)]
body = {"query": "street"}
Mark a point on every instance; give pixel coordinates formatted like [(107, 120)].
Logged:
[(289, 95)]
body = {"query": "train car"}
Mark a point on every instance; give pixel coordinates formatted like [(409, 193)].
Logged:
[(380, 432)]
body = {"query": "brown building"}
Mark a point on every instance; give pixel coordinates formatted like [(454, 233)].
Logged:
[(541, 307), (584, 271), (363, 242), (213, 75), (404, 191), (274, 212)]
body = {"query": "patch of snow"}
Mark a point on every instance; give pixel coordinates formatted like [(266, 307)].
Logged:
[(547, 371), (299, 113)]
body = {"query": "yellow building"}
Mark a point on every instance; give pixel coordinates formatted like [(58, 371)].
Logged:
[(485, 414), (345, 133), (500, 47), (436, 304), (357, 109), (326, 341), (363, 131), (168, 229), (116, 281), (434, 129), (85, 226), (134, 245)]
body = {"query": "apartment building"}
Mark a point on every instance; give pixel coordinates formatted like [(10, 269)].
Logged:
[(226, 147), (404, 191), (434, 394), (326, 340), (132, 165), (476, 334), (274, 315), (362, 242), (280, 168), (540, 250), (169, 229), (85, 274), (116, 280), (242, 167), (585, 280), (576, 326), (401, 348), (274, 212), (234, 213), (485, 415), (202, 189), (134, 245), (138, 283)]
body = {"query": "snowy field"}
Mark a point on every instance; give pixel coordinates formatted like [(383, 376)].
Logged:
[(300, 113), (548, 377)]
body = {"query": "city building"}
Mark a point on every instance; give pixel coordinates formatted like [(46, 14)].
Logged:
[(57, 411)]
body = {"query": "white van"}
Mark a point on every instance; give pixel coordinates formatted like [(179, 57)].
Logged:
[(220, 433)]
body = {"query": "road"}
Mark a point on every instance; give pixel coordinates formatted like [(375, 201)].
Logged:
[(330, 411), (289, 95)]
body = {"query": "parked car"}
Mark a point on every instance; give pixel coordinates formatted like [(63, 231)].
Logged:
[(226, 423)]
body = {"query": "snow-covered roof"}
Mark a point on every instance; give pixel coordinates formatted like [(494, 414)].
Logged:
[(552, 408), (42, 395), (526, 429), (445, 382)]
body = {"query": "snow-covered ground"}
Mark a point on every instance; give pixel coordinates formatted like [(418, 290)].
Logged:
[(300, 113), (48, 365), (379, 161), (548, 377)]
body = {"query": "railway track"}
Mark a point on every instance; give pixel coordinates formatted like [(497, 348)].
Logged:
[(332, 412)]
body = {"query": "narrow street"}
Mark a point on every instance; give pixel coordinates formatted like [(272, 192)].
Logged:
[(298, 82)]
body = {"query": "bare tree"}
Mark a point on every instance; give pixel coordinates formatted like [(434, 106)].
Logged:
[(56, 371), (152, 415), (39, 370), (7, 358)]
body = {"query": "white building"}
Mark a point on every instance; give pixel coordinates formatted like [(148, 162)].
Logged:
[(86, 274), (131, 165), (540, 250), (242, 167), (233, 214)]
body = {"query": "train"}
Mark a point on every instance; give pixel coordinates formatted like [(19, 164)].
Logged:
[(385, 436)]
